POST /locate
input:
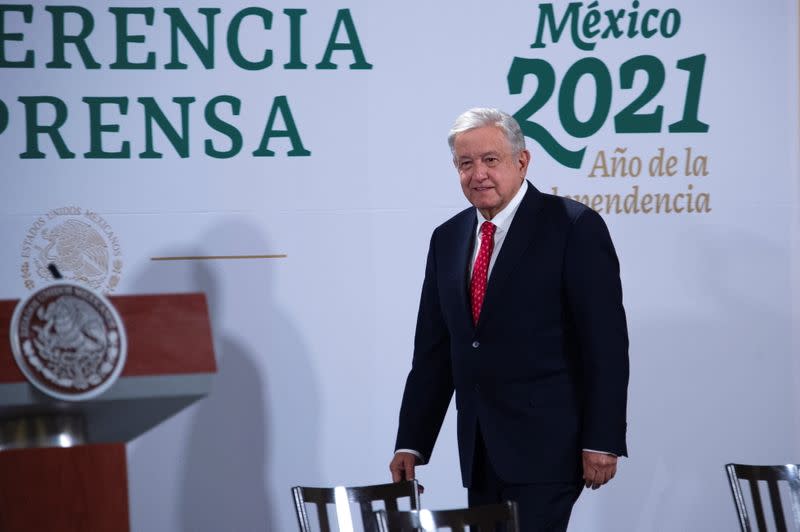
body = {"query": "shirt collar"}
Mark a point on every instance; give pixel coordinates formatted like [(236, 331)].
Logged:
[(503, 218)]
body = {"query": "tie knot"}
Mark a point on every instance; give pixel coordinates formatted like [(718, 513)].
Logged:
[(487, 230)]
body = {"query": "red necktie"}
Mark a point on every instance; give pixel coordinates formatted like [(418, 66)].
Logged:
[(480, 273)]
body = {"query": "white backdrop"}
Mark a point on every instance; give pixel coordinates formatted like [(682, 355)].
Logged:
[(313, 347)]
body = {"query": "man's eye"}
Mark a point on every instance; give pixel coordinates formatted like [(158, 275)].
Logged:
[(465, 164), (491, 161)]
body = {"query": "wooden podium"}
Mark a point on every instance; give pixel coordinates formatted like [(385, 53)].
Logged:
[(63, 464)]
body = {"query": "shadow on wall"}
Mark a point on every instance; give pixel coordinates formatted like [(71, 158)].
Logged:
[(257, 430)]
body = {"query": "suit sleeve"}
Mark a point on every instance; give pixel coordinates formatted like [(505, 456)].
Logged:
[(429, 385), (594, 295)]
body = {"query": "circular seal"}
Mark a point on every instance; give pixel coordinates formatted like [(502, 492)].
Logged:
[(68, 341), (79, 242)]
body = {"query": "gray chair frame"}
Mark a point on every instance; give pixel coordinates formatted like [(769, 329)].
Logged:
[(365, 496), (479, 518), (771, 475)]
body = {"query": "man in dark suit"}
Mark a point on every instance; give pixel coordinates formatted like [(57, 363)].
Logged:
[(521, 314)]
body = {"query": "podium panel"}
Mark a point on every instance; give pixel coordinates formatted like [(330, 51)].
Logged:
[(76, 489), (170, 366)]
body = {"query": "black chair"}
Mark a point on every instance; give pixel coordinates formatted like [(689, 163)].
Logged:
[(771, 475), (478, 519), (341, 497)]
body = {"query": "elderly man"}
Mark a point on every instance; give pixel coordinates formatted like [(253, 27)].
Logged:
[(521, 314)]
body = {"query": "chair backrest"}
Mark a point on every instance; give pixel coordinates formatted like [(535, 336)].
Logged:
[(479, 518), (771, 475), (341, 497)]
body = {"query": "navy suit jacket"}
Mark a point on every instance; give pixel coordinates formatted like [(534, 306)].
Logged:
[(545, 370)]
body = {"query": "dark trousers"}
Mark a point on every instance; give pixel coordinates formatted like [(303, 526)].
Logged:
[(542, 507)]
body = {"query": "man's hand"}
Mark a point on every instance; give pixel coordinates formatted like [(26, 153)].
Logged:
[(402, 467), (598, 468)]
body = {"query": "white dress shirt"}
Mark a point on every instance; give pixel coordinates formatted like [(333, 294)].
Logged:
[(502, 220)]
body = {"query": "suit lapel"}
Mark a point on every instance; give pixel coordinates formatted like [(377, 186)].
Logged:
[(519, 237), (459, 261)]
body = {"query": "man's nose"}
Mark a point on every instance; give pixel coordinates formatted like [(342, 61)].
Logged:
[(481, 171)]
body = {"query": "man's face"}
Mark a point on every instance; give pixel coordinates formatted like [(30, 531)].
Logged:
[(490, 173)]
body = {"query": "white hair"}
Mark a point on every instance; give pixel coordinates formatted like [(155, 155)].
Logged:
[(486, 116)]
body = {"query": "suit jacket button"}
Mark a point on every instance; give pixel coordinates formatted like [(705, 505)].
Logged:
[(476, 344)]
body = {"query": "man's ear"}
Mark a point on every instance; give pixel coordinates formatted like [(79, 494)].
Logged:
[(524, 161)]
